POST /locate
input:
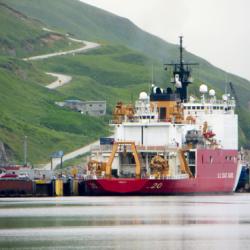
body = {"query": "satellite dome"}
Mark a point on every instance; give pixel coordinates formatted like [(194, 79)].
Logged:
[(203, 88), (211, 92), (143, 96)]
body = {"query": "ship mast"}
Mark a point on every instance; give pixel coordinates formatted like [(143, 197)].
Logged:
[(181, 48), (181, 75)]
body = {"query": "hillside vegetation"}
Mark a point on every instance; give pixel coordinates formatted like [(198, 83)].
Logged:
[(94, 24), (21, 36), (28, 109), (103, 74), (119, 70)]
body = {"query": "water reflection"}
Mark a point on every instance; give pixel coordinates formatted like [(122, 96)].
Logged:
[(175, 222)]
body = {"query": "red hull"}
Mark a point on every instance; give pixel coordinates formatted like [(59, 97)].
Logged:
[(216, 172), (151, 187)]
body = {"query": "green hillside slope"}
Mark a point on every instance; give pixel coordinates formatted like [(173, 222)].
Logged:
[(90, 23), (118, 70), (94, 24), (29, 109), (104, 74), (22, 36)]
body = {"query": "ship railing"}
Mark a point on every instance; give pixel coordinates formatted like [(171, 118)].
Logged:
[(211, 102), (107, 148), (132, 175), (172, 147), (141, 121), (102, 148), (164, 148), (133, 120)]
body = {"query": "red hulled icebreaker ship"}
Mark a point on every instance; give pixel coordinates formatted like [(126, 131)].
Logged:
[(169, 143)]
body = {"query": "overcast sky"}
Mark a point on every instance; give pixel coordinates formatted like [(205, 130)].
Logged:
[(217, 30)]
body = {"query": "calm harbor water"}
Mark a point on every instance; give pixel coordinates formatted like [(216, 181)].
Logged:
[(163, 222)]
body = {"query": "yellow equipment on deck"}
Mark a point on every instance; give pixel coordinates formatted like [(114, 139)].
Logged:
[(112, 156), (183, 163), (96, 167), (121, 110), (159, 166)]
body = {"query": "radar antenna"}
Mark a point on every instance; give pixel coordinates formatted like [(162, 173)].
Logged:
[(181, 74)]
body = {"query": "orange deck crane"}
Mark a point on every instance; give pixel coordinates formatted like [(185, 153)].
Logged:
[(112, 156)]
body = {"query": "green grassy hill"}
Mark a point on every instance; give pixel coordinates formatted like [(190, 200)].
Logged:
[(118, 70), (29, 109), (103, 74), (21, 36), (94, 24)]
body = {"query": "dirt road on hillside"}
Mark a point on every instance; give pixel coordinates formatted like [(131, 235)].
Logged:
[(60, 81), (87, 46)]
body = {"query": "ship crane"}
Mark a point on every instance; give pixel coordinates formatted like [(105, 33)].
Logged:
[(112, 156)]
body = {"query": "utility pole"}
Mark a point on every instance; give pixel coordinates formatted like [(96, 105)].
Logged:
[(25, 147), (61, 165)]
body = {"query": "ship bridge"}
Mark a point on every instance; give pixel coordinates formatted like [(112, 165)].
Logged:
[(219, 115), (209, 106)]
